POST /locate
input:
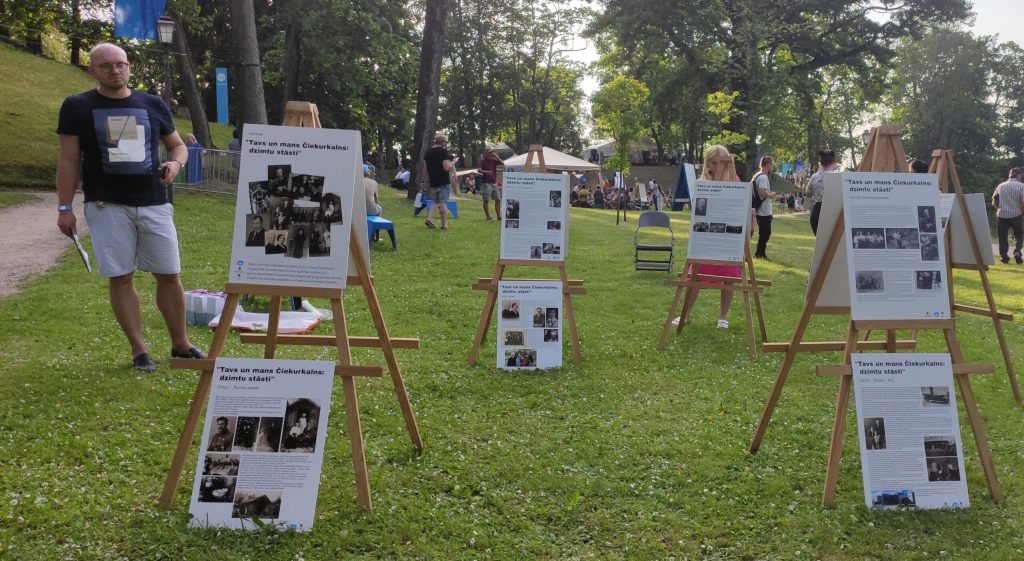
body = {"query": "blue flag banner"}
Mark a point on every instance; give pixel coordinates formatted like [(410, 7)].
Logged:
[(136, 19), (222, 95)]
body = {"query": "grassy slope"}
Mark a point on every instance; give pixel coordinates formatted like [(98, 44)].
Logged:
[(31, 99), (637, 453)]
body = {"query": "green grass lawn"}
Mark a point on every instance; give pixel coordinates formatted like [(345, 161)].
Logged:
[(13, 198), (634, 454)]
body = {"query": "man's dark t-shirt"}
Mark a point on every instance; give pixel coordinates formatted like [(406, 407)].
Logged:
[(435, 158), (120, 144)]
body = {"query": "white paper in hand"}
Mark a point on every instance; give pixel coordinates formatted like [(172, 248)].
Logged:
[(82, 252)]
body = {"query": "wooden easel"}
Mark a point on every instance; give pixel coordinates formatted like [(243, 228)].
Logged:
[(691, 279), (961, 371), (942, 164), (569, 286), (305, 114), (883, 154)]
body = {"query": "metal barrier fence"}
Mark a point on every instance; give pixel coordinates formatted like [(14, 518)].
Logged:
[(209, 171)]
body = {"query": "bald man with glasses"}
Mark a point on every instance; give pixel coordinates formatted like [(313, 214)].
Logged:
[(110, 141)]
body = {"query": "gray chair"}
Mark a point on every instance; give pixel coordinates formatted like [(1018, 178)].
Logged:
[(651, 253)]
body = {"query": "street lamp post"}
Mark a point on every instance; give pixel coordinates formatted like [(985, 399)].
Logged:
[(165, 32)]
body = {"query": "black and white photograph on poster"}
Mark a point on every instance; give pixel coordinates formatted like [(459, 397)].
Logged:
[(910, 443), (935, 396), (929, 280), (216, 489), (320, 240), (223, 436), (724, 211), (268, 437), (515, 337), (257, 504), (309, 177), (535, 216), (277, 242), (869, 282), (868, 238), (555, 199), (521, 358), (929, 247), (893, 498), (257, 234), (221, 464), (926, 219), (246, 429), (512, 209), (551, 315), (270, 406), (259, 197), (533, 339), (278, 179), (298, 241), (904, 207), (301, 417), (539, 317), (510, 309), (902, 238), (874, 433)]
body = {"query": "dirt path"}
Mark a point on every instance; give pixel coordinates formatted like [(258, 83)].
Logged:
[(32, 244)]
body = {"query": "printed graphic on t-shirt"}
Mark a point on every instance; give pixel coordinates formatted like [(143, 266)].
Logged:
[(123, 137)]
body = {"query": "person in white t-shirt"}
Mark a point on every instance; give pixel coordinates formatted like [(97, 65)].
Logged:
[(370, 187), (764, 211)]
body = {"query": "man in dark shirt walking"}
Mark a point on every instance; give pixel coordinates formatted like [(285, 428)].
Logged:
[(439, 165)]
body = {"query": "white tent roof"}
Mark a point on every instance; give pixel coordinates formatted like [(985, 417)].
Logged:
[(555, 160)]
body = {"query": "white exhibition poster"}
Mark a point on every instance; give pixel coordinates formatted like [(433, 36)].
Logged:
[(530, 324), (910, 446), (535, 223), (263, 444), (294, 211), (895, 258), (960, 240), (721, 216), (835, 290)]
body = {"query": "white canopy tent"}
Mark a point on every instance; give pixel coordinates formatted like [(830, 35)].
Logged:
[(555, 161)]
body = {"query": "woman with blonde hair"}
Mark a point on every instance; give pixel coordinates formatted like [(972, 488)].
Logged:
[(719, 165)]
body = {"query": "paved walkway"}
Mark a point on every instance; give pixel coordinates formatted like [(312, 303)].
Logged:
[(31, 244)]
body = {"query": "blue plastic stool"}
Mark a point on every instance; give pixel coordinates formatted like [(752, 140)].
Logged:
[(375, 223), (453, 208)]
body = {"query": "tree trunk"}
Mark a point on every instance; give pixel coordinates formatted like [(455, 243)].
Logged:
[(76, 33), (428, 87), (292, 53), (252, 107), (187, 75)]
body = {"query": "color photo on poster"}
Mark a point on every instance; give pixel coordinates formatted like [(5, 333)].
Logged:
[(263, 444)]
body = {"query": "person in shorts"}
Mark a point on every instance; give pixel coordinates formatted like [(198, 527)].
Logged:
[(114, 133), (439, 164), (488, 168)]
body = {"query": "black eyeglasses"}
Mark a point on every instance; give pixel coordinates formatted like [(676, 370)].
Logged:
[(107, 67)]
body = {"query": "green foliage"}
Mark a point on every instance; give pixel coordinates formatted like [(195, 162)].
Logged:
[(637, 453), (618, 109)]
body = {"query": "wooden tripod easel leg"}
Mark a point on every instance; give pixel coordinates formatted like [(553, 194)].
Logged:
[(835, 450), (974, 417), (188, 432), (570, 315), (273, 324), (757, 296), (751, 343), (488, 313), (355, 429), (370, 292), (671, 315)]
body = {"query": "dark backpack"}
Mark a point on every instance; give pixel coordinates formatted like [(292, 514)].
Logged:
[(756, 199)]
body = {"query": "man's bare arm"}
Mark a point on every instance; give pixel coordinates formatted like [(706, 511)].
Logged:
[(68, 177), (177, 156)]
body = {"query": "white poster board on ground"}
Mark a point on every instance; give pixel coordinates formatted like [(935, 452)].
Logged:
[(910, 446), (529, 325), (896, 261), (263, 444), (535, 224), (294, 210), (721, 216)]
